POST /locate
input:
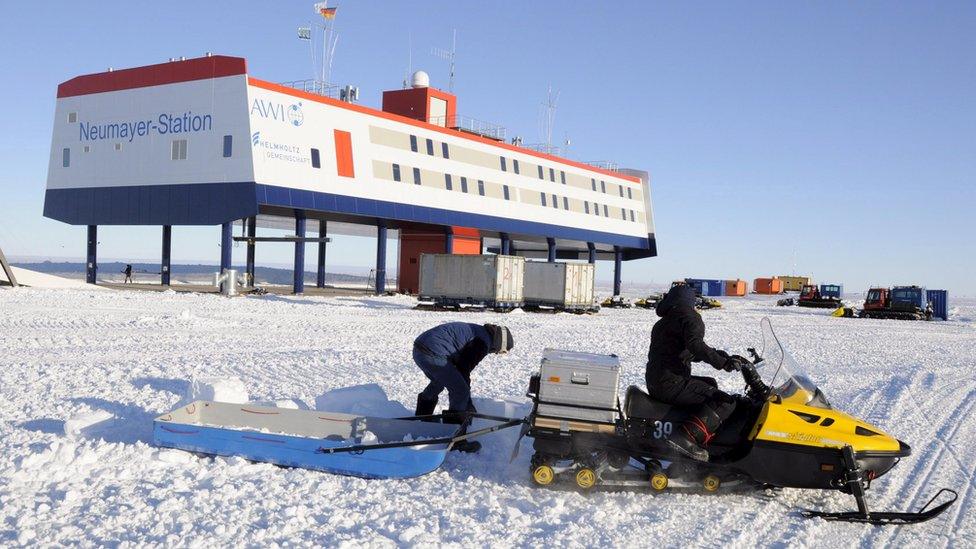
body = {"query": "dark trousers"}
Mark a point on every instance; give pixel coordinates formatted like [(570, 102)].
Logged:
[(694, 393), (443, 374)]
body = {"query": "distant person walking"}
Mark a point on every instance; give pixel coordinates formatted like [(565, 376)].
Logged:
[(128, 274)]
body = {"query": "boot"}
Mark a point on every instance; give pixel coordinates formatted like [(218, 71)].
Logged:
[(425, 407), (690, 438), (466, 446)]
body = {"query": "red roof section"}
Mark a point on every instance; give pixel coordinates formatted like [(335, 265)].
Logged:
[(200, 68)]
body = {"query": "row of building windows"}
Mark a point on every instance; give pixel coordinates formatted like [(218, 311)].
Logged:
[(503, 164), (454, 182), (177, 150)]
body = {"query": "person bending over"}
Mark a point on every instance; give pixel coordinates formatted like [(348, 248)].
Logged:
[(447, 354)]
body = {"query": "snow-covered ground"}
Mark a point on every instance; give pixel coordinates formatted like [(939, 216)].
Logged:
[(68, 354)]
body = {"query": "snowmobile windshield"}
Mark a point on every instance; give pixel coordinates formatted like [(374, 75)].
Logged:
[(787, 379)]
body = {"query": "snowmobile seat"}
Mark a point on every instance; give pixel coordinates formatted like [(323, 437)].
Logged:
[(639, 404)]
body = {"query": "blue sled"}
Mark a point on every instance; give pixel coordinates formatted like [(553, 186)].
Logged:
[(301, 438)]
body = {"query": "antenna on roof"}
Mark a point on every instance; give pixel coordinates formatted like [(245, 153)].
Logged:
[(329, 39), (406, 77), (549, 117), (449, 56)]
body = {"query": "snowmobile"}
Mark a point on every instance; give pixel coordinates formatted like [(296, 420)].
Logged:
[(616, 302), (783, 434)]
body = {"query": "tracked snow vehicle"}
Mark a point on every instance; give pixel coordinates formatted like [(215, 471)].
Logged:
[(784, 434)]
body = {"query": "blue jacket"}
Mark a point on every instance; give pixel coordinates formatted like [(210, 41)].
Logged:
[(464, 344)]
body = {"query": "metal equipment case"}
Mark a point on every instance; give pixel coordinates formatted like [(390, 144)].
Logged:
[(578, 386), (563, 286)]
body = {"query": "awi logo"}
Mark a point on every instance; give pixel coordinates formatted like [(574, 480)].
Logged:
[(277, 111), (255, 137)]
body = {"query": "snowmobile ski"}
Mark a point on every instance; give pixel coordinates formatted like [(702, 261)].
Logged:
[(889, 517)]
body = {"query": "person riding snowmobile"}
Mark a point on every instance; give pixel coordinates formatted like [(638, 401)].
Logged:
[(447, 354), (677, 340)]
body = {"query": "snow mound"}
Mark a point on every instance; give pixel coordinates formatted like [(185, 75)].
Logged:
[(363, 400), (87, 423), (229, 389)]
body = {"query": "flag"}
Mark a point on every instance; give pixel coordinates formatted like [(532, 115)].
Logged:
[(322, 9)]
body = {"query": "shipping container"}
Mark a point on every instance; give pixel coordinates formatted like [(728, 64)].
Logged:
[(795, 283), (566, 286), (489, 280), (578, 385), (940, 303), (735, 288), (707, 287), (767, 286), (832, 290)]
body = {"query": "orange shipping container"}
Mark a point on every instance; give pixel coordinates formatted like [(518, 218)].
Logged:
[(767, 286), (735, 288)]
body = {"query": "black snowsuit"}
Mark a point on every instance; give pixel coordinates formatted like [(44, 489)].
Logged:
[(676, 342)]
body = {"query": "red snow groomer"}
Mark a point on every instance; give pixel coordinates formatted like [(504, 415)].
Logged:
[(825, 296)]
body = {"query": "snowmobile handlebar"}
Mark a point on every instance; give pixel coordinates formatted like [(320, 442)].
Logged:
[(755, 387)]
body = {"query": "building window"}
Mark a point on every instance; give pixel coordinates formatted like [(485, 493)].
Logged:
[(552, 175), (481, 187), (502, 161), (515, 166), (179, 149), (396, 172), (555, 202), (448, 184), (540, 173), (596, 209), (505, 191), (593, 184), (623, 214), (586, 207), (430, 147), (464, 184), (72, 117), (562, 177), (631, 215), (620, 190), (118, 146), (87, 148), (413, 143), (445, 152), (630, 193), (416, 176), (565, 203), (65, 157), (606, 212), (542, 197), (228, 145), (603, 186)]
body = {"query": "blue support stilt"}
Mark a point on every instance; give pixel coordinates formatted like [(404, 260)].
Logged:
[(617, 261), (226, 244), (591, 252), (252, 226), (551, 243), (448, 240), (320, 275), (91, 267), (298, 284), (381, 258), (165, 263), (506, 244)]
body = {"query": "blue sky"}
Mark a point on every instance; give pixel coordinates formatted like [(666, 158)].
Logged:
[(839, 134)]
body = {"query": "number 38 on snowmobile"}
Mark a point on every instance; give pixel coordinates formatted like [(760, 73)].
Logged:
[(783, 434)]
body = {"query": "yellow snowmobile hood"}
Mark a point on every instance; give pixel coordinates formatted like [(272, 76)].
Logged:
[(792, 423)]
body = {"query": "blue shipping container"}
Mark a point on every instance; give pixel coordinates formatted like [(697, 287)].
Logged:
[(940, 303), (832, 290), (707, 287)]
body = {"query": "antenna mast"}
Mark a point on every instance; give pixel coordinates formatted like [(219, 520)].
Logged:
[(450, 56), (550, 117), (329, 39)]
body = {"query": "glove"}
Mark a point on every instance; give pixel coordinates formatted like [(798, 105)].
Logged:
[(734, 363)]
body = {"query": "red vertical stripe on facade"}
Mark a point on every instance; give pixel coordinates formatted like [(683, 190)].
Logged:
[(343, 147)]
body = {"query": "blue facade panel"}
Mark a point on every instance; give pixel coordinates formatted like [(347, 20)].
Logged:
[(940, 303), (217, 203)]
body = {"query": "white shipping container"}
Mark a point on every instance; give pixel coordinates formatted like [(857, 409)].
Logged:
[(559, 284), (569, 380), (489, 279)]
